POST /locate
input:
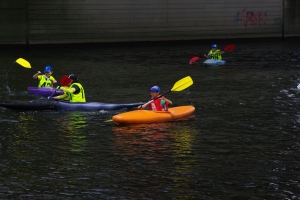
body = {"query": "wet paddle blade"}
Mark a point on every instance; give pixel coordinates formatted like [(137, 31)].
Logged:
[(229, 47), (182, 84), (65, 81), (194, 59), (23, 63)]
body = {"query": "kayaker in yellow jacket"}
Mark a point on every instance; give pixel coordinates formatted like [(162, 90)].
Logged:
[(46, 80), (214, 53), (74, 92)]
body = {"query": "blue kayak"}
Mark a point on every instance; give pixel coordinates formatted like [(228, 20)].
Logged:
[(44, 91), (65, 106), (214, 62)]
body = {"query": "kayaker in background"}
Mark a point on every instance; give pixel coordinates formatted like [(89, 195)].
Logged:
[(46, 80), (214, 53), (159, 104), (74, 92)]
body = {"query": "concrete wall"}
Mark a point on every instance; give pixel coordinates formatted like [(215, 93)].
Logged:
[(78, 21), (292, 17), (13, 21)]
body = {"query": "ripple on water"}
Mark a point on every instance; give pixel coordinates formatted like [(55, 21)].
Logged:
[(242, 143)]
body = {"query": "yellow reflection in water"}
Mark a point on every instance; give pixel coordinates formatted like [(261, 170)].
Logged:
[(74, 126)]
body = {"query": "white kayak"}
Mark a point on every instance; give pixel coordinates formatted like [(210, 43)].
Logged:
[(214, 62)]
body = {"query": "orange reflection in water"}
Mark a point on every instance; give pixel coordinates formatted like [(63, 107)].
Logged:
[(130, 139), (140, 139)]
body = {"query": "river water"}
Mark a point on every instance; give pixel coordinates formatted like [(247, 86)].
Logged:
[(243, 141)]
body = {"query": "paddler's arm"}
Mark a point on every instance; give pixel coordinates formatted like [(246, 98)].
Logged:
[(207, 55), (53, 80), (66, 90), (63, 96), (141, 107), (36, 74), (167, 100)]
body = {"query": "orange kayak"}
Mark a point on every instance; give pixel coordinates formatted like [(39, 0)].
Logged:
[(148, 116)]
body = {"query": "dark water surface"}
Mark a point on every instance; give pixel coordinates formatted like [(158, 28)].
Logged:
[(242, 143)]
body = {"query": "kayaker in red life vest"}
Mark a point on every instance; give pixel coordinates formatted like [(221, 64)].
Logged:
[(214, 53), (159, 104)]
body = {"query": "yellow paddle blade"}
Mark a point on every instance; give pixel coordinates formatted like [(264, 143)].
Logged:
[(23, 63), (182, 84)]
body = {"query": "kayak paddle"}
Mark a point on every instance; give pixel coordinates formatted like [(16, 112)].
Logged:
[(25, 63), (65, 81), (227, 48), (178, 86), (194, 59)]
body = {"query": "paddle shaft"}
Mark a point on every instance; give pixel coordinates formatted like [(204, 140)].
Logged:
[(37, 71), (146, 104)]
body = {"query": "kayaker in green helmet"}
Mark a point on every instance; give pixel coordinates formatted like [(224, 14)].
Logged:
[(214, 53), (74, 92), (159, 104), (46, 80)]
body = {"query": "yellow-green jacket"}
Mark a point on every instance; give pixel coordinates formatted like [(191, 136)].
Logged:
[(78, 96), (45, 81), (215, 54)]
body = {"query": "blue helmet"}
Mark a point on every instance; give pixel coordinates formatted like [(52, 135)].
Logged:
[(213, 46), (155, 89), (48, 69)]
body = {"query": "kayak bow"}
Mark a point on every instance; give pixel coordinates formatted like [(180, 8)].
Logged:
[(214, 62)]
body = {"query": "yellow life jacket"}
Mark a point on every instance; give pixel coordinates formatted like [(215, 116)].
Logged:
[(45, 81), (215, 54), (77, 97)]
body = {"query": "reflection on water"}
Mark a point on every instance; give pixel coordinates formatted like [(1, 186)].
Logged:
[(167, 150), (243, 143), (152, 137), (74, 126)]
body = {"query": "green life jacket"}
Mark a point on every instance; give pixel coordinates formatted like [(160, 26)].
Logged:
[(215, 54), (45, 81)]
